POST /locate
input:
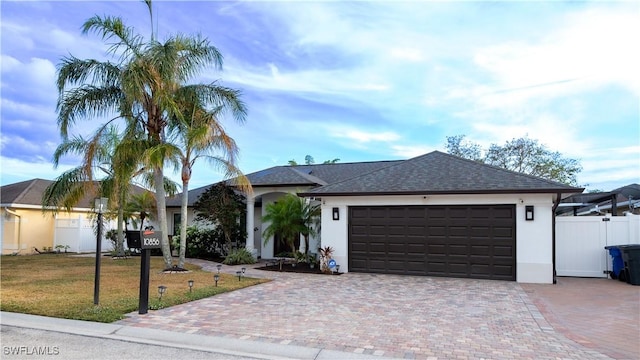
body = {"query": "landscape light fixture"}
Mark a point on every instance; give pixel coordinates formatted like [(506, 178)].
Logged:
[(216, 277), (528, 212), (161, 291), (190, 282), (239, 273), (243, 271), (219, 267)]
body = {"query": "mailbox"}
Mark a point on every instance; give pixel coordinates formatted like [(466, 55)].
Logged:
[(133, 239)]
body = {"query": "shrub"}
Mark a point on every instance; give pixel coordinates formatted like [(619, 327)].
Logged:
[(239, 256), (203, 243)]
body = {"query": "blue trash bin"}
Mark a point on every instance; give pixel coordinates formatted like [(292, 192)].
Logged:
[(618, 263)]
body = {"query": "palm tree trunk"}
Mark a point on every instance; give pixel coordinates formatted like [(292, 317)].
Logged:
[(183, 222), (158, 178), (120, 243)]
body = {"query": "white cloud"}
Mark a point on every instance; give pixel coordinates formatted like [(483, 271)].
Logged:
[(34, 78), (406, 151), (410, 54), (14, 170), (361, 136), (593, 48)]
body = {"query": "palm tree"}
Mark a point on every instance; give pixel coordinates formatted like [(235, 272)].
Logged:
[(100, 155), (199, 135), (310, 220), (289, 217), (144, 87), (141, 206)]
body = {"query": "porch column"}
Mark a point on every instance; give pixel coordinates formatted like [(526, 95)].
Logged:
[(250, 226)]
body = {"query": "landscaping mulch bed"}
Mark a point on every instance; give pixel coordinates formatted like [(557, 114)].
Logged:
[(299, 268)]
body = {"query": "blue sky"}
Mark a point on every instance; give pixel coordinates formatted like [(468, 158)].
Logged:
[(361, 80)]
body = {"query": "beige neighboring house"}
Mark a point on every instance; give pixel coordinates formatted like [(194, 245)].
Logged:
[(24, 227)]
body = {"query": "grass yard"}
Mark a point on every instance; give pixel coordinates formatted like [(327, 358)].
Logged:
[(62, 286)]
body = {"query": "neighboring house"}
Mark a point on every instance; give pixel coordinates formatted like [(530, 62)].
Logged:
[(436, 215), (617, 202), (25, 227)]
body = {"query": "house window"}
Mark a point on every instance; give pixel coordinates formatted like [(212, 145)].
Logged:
[(176, 224)]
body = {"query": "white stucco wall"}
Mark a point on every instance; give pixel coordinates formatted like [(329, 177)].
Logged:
[(533, 238)]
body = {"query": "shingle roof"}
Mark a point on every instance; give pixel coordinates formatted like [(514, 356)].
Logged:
[(316, 174), (24, 193), (194, 195), (440, 173), (296, 175), (30, 193)]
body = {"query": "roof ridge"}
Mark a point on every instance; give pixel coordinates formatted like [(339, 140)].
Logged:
[(342, 163), (394, 163), (537, 178), (26, 190), (309, 177)]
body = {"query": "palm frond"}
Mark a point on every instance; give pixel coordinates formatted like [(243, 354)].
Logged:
[(111, 27), (85, 102)]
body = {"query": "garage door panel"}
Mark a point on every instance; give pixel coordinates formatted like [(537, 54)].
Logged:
[(458, 268), (464, 241), (478, 250), (504, 251)]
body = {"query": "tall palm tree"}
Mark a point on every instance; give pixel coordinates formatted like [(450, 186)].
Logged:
[(199, 135), (143, 87)]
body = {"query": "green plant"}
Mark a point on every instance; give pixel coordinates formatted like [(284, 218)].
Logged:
[(239, 256), (62, 247), (300, 257), (204, 243), (112, 236)]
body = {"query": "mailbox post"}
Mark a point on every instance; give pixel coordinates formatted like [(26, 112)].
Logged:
[(150, 239)]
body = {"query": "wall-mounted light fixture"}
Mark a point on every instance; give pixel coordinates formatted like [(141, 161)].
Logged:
[(528, 212), (336, 213)]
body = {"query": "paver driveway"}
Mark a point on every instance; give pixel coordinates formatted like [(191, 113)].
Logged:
[(392, 316)]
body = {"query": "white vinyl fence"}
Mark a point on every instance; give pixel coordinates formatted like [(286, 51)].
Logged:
[(580, 242), (79, 234)]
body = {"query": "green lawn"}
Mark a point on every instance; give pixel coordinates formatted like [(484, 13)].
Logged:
[(62, 286)]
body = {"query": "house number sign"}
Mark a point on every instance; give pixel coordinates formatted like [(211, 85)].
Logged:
[(151, 239)]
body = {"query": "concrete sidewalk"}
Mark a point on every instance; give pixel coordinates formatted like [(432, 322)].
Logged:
[(164, 338)]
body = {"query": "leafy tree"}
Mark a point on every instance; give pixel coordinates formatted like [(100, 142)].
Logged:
[(308, 160), (289, 217), (145, 86), (223, 207), (458, 146), (523, 155)]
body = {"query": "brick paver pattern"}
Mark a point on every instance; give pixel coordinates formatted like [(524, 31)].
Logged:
[(412, 317)]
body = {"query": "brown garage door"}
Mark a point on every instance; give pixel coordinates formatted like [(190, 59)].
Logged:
[(457, 241)]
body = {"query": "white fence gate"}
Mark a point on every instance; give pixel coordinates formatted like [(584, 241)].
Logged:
[(580, 242), (78, 234)]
